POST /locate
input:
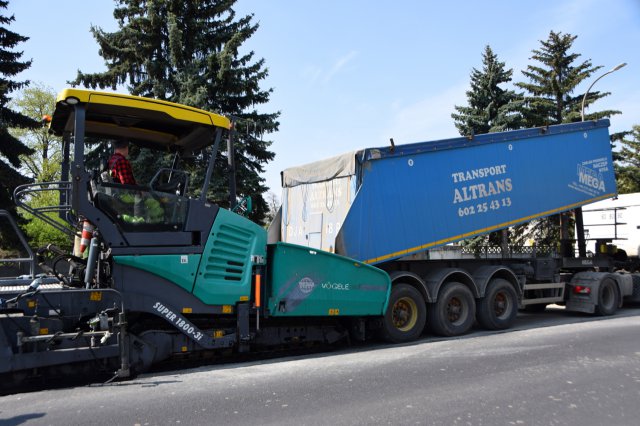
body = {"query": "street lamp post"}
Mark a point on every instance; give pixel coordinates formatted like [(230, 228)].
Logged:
[(584, 98), (582, 242)]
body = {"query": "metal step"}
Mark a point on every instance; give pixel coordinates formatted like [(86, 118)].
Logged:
[(17, 288), (551, 293)]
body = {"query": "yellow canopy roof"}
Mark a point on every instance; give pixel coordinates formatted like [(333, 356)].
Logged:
[(151, 122)]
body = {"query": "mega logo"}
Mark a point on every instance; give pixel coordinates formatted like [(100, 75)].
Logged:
[(591, 178)]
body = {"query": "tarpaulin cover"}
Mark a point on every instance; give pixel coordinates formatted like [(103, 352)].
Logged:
[(320, 171)]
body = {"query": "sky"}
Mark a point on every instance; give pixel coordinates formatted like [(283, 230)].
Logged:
[(350, 74)]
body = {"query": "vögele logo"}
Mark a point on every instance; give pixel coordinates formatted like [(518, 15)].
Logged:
[(306, 285)]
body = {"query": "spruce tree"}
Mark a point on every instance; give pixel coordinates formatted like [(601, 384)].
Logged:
[(488, 108), (551, 99), (10, 147), (552, 83), (628, 162), (188, 51)]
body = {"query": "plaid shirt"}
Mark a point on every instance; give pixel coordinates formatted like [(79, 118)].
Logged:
[(121, 170)]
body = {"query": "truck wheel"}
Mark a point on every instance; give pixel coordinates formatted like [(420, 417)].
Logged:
[(608, 298), (454, 312), (497, 310), (405, 316)]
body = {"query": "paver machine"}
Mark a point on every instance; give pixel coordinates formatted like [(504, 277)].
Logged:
[(161, 272)]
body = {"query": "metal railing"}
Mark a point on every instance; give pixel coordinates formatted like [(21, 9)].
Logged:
[(493, 252), (59, 216)]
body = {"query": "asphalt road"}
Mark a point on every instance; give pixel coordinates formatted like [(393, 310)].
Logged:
[(554, 368)]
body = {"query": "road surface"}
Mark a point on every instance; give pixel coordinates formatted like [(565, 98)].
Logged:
[(560, 368)]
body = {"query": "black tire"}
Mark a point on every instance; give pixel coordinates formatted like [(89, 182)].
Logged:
[(498, 309), (406, 315), (608, 298), (454, 312)]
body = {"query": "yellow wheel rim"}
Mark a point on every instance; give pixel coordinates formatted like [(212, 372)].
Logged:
[(404, 314)]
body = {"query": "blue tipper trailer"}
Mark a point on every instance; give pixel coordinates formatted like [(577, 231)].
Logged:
[(401, 207), (395, 201)]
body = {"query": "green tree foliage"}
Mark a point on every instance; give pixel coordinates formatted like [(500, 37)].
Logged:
[(11, 149), (553, 81), (551, 99), (43, 165), (628, 164), (36, 102), (488, 105), (616, 138), (189, 51)]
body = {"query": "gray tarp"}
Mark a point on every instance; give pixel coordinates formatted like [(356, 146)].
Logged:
[(320, 171)]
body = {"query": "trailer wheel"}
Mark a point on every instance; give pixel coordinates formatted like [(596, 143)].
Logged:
[(405, 316), (608, 298), (497, 310), (454, 312)]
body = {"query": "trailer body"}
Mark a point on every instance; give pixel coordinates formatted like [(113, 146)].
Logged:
[(387, 203)]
